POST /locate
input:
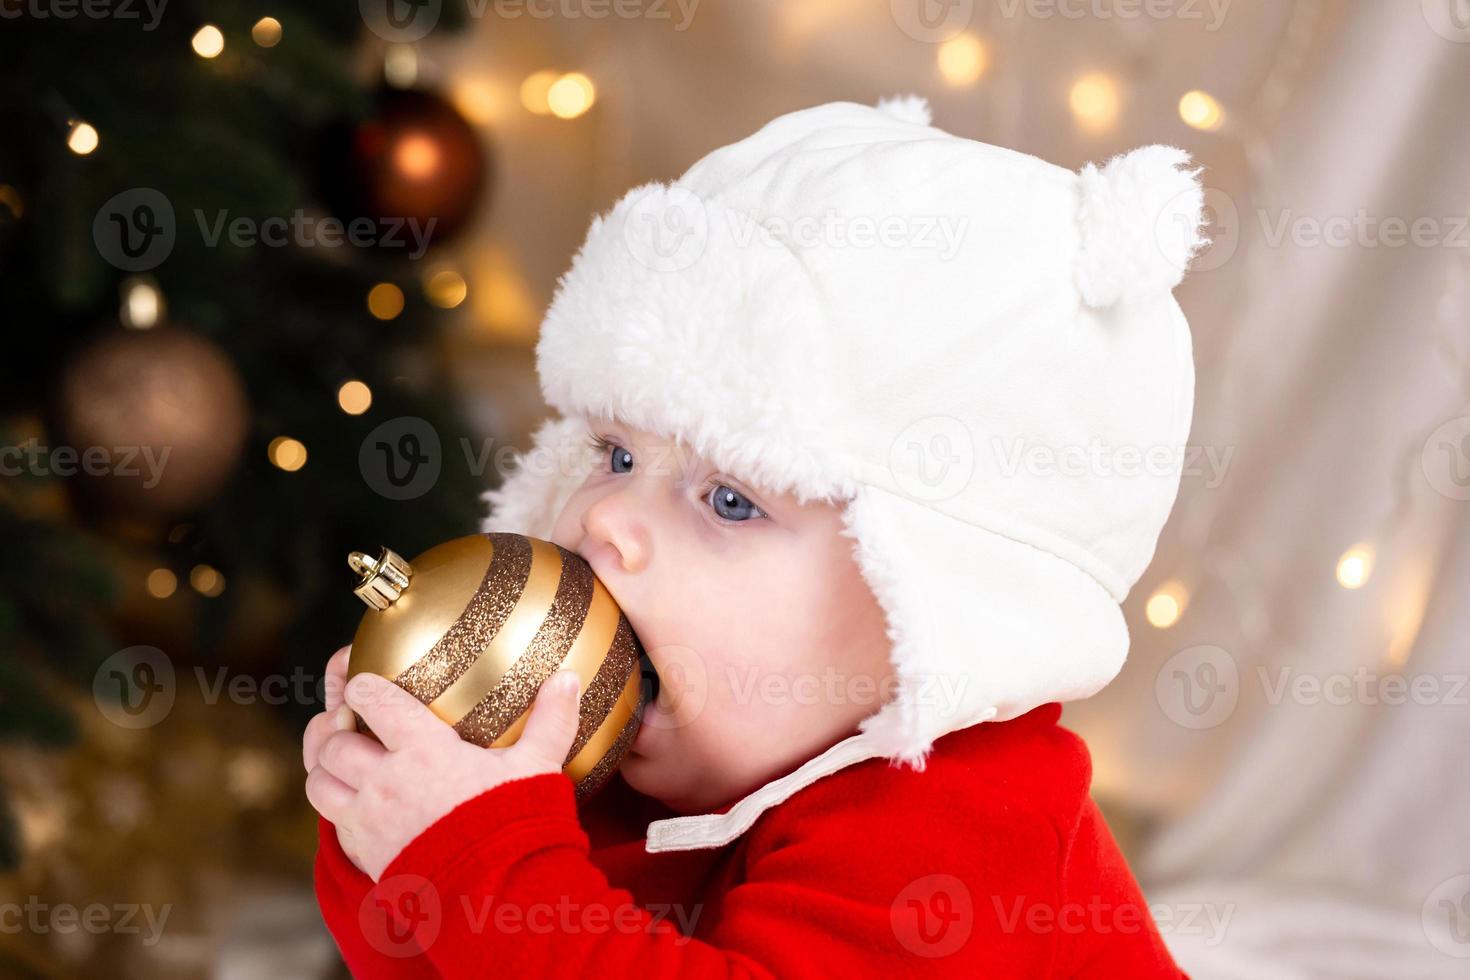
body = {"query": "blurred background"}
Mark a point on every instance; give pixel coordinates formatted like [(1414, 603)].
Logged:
[(215, 344)]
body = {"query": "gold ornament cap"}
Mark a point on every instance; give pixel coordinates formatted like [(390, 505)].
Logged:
[(384, 578)]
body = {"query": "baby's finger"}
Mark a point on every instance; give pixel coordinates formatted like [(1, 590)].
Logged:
[(349, 846), (395, 716), (336, 678), (322, 726), (350, 757), (552, 728), (328, 795)]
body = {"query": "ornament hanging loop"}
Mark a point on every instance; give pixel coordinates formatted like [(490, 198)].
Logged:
[(383, 578)]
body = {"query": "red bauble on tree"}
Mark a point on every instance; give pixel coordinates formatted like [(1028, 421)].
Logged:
[(415, 158)]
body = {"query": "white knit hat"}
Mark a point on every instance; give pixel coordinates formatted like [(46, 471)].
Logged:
[(974, 349)]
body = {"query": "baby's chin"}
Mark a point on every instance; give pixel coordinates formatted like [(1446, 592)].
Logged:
[(643, 774), (662, 779)]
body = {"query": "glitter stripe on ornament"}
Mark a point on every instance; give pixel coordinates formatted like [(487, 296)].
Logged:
[(582, 761), (609, 684), (606, 641), (507, 571), (598, 774), (495, 650), (551, 638)]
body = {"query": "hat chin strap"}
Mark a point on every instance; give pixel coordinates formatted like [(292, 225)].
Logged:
[(718, 829)]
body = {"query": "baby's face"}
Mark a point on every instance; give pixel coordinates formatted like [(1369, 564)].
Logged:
[(768, 643)]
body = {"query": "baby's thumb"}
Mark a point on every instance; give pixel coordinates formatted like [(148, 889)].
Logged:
[(552, 727)]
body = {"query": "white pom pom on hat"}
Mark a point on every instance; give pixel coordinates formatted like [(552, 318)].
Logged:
[(1140, 220)]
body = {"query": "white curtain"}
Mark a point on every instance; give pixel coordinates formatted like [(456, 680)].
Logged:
[(1318, 811)]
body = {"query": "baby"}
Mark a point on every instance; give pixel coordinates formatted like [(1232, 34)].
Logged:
[(829, 463)]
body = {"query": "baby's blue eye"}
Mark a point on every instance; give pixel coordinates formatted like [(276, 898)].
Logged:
[(621, 457), (732, 506)]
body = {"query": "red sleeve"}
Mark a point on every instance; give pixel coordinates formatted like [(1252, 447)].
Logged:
[(1104, 907), (503, 885), (350, 908)]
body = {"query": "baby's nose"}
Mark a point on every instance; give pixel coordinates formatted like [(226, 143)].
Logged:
[(617, 538)]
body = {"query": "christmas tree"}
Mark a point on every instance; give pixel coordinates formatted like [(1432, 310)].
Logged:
[(220, 338)]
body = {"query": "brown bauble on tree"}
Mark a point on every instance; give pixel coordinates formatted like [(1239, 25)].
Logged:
[(414, 167), (474, 626), (162, 413)]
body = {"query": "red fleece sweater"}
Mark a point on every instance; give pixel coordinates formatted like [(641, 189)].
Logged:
[(993, 862)]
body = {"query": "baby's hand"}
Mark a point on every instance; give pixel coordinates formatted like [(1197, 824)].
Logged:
[(337, 717), (382, 796)]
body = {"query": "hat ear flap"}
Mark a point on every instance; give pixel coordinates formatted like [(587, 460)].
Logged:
[(1140, 218)]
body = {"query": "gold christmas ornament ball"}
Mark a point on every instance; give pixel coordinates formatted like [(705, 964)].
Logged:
[(474, 626), (163, 409)]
